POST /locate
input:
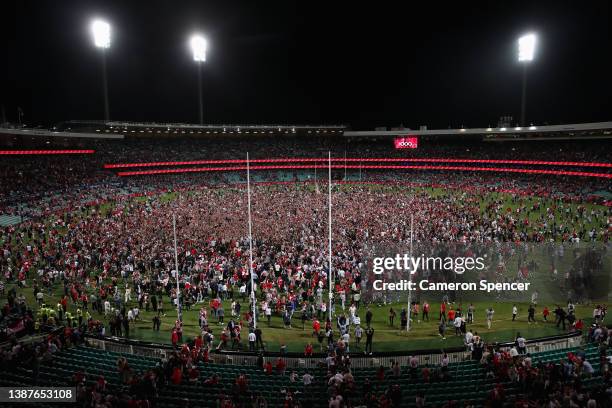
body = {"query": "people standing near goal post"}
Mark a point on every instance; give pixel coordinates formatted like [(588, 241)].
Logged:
[(490, 313)]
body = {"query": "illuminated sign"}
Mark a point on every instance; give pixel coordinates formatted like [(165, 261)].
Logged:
[(406, 142)]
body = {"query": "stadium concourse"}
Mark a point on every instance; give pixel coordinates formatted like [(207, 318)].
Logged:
[(88, 252)]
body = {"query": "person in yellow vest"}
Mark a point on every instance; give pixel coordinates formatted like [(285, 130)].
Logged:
[(43, 314), (79, 315), (87, 316), (69, 318), (60, 311)]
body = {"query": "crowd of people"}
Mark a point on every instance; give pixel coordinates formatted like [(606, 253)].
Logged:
[(112, 257), (33, 185), (549, 384)]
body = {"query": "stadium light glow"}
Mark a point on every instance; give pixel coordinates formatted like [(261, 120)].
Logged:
[(518, 128), (489, 129), (29, 152), (532, 128), (101, 32), (198, 47), (526, 47), (373, 167), (502, 129), (359, 160)]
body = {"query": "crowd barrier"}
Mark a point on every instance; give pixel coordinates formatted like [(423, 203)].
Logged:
[(358, 360)]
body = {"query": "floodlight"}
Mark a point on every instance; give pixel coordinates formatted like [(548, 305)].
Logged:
[(198, 46), (532, 127), (502, 129), (526, 47), (518, 128), (489, 129), (101, 31)]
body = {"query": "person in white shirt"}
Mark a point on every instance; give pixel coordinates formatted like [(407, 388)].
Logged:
[(457, 323), (335, 402), (268, 312), (514, 312), (346, 340), (358, 334), (252, 339), (39, 298), (352, 313), (444, 363), (468, 338), (588, 368), (490, 313), (307, 379), (521, 344), (414, 362)]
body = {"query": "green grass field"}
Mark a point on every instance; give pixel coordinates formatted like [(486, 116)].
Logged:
[(386, 338), (423, 335)]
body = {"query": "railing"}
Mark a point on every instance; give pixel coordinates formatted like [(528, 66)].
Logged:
[(297, 360)]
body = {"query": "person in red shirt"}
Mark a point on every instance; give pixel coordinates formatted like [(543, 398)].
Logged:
[(193, 375), (442, 311), (268, 368), (177, 376), (545, 312), (426, 311), (316, 327), (451, 315), (308, 350), (174, 338), (380, 374), (101, 383), (579, 324), (242, 383), (425, 373), (281, 366)]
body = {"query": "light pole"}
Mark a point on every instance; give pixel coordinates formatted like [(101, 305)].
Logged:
[(198, 47), (526, 50), (101, 32)]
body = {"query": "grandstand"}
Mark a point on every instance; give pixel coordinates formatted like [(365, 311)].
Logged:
[(460, 381), (338, 209), (94, 199)]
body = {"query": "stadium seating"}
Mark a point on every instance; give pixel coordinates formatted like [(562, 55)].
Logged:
[(467, 381)]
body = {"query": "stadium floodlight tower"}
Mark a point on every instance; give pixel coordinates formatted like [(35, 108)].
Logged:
[(101, 32), (198, 46), (526, 51)]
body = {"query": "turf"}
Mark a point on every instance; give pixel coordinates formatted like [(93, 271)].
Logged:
[(424, 335)]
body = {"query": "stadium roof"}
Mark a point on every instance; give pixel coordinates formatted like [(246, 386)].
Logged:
[(53, 133), (514, 131), (118, 130)]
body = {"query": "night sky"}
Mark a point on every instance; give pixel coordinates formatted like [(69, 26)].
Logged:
[(356, 63)]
